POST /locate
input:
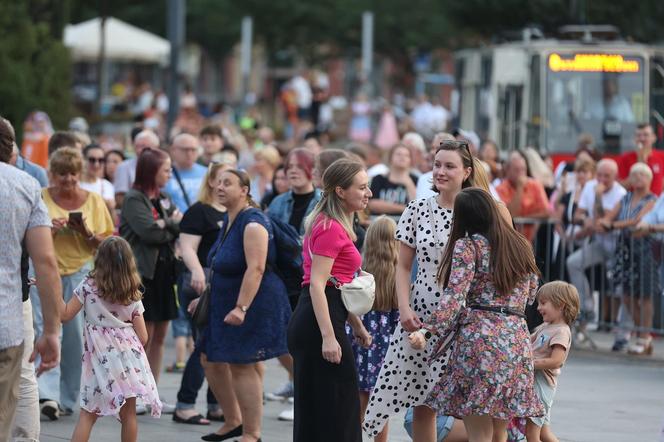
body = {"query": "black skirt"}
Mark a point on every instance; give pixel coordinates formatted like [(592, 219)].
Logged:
[(159, 298), (327, 404)]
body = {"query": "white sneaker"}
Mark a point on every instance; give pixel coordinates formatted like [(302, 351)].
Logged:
[(50, 409), (167, 408), (141, 408), (282, 394), (287, 415)]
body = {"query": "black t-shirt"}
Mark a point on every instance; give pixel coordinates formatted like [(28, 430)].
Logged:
[(384, 189), (202, 220), (300, 204)]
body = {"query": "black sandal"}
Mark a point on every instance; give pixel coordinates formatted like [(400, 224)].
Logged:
[(235, 432), (193, 420)]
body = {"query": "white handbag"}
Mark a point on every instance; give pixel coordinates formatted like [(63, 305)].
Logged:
[(358, 295)]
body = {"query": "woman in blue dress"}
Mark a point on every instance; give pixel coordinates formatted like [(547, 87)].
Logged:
[(249, 311)]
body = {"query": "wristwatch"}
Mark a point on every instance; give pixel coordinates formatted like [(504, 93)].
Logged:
[(244, 308)]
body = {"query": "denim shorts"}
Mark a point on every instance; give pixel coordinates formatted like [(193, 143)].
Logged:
[(443, 424)]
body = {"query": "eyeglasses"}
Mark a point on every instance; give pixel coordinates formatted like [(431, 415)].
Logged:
[(93, 160)]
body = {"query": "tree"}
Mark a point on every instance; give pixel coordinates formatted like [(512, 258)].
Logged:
[(34, 65)]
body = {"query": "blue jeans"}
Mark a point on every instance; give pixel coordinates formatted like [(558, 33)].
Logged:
[(63, 383), (194, 375)]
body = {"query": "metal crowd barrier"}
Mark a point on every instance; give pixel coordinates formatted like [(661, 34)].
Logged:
[(631, 301)]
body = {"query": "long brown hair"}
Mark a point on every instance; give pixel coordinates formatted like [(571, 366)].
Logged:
[(512, 258), (381, 253), (115, 272)]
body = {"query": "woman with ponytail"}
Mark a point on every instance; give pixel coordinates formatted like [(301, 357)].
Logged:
[(327, 406), (248, 313)]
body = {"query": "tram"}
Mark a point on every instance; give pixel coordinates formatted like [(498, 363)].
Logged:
[(545, 93)]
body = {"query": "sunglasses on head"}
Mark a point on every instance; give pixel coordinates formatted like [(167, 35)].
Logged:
[(455, 144)]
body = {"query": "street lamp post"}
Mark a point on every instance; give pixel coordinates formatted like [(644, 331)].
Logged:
[(176, 32)]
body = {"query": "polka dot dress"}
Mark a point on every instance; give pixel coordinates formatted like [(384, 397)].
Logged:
[(406, 378)]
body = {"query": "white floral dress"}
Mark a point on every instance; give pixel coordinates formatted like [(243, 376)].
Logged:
[(115, 366), (406, 377)]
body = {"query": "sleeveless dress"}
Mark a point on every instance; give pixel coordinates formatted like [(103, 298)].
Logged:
[(262, 336), (490, 369), (636, 269), (115, 366), (406, 377)]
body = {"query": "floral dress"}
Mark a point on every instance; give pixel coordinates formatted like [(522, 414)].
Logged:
[(406, 376), (490, 369), (115, 366)]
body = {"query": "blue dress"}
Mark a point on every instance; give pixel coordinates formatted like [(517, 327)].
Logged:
[(262, 336)]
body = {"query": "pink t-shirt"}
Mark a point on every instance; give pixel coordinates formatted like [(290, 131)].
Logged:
[(328, 238)]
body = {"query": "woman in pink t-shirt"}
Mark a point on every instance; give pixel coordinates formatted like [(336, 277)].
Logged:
[(327, 406)]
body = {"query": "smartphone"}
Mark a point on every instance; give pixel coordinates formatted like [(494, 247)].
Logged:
[(76, 217)]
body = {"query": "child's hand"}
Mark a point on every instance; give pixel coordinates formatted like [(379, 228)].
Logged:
[(363, 338), (417, 340)]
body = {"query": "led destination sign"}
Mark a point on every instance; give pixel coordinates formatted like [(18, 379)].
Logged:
[(592, 63)]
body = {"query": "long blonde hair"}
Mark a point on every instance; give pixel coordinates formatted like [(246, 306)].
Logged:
[(381, 253), (340, 174), (115, 272)]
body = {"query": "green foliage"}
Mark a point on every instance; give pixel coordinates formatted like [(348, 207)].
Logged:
[(487, 18), (34, 67)]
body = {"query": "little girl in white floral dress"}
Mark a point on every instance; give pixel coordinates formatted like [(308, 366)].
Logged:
[(115, 368)]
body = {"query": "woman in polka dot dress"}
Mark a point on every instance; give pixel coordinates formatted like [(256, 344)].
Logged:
[(406, 378)]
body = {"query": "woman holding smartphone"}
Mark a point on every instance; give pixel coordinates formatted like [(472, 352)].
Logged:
[(81, 221)]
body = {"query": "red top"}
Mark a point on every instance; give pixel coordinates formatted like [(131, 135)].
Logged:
[(328, 238), (533, 201), (656, 163)]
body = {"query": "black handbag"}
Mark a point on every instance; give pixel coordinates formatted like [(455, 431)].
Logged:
[(201, 315)]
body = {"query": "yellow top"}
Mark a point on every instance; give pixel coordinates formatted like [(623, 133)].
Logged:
[(71, 248)]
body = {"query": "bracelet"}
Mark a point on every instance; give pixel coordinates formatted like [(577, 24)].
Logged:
[(91, 237)]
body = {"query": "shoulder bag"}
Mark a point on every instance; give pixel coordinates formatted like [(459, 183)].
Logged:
[(358, 295)]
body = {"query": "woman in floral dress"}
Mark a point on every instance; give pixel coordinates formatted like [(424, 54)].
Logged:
[(489, 276), (406, 377)]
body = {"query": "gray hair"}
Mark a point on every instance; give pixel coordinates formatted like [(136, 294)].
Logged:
[(414, 139), (641, 168), (150, 138), (608, 162)]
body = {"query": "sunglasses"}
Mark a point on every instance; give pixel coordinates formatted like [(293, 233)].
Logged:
[(93, 160)]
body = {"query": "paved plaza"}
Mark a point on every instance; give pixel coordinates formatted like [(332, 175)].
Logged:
[(601, 398)]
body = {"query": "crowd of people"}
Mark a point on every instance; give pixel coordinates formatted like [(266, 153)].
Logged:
[(195, 232)]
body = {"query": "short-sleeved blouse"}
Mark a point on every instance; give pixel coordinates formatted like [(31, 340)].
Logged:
[(328, 238)]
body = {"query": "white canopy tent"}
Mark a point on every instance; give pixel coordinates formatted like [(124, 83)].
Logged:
[(124, 42)]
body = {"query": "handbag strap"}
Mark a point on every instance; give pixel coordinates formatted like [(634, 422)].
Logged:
[(223, 239), (331, 279)]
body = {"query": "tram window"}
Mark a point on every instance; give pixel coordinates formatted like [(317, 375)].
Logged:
[(607, 105)]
